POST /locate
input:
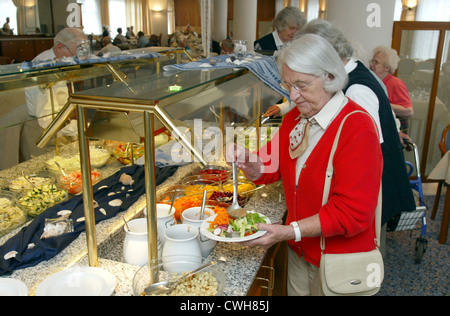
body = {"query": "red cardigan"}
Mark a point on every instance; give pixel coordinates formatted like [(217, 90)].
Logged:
[(348, 219)]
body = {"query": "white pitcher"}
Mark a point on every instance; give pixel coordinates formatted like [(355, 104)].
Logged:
[(135, 248), (164, 219), (191, 216), (181, 241)]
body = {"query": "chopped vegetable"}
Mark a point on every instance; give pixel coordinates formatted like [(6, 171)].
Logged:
[(223, 225), (183, 203), (39, 199), (73, 182), (222, 217)]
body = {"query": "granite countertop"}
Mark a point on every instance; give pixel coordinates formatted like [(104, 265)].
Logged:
[(269, 201)]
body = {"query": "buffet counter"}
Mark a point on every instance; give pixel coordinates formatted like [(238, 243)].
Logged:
[(242, 263), (195, 105)]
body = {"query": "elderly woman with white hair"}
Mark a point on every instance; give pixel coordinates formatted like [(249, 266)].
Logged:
[(298, 155), (384, 63), (365, 89), (286, 24)]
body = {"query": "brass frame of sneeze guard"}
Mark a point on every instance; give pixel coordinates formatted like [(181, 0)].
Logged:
[(149, 112)]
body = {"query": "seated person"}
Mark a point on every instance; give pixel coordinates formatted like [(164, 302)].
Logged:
[(119, 39), (384, 63), (142, 40), (108, 47), (227, 47), (154, 41)]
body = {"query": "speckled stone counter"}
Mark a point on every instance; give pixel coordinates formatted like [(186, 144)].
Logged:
[(242, 262)]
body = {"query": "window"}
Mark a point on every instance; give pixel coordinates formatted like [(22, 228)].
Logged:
[(117, 17), (8, 10), (91, 16), (424, 42)]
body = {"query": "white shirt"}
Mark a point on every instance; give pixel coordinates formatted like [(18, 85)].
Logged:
[(39, 105), (323, 120), (45, 56), (110, 48), (278, 40), (365, 97)]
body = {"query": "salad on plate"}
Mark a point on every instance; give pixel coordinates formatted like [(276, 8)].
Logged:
[(222, 225)]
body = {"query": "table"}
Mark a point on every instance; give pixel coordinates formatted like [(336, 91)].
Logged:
[(442, 172)]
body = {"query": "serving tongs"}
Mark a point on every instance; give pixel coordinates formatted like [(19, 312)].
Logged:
[(167, 286)]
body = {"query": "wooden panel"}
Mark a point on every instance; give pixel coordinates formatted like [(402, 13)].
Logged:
[(266, 10), (230, 9), (9, 49), (187, 12), (26, 50), (42, 45)]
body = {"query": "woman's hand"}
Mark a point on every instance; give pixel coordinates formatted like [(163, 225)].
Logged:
[(249, 163), (275, 234)]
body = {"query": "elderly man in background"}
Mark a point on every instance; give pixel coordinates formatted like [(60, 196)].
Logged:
[(286, 24), (31, 117), (45, 101), (65, 44)]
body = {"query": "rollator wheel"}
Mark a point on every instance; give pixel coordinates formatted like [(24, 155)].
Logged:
[(421, 247)]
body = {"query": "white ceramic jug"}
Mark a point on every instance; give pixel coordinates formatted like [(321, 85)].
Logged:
[(191, 216), (181, 241), (135, 248), (164, 219)]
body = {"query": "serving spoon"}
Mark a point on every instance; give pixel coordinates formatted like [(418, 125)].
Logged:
[(168, 286), (235, 210), (202, 210)]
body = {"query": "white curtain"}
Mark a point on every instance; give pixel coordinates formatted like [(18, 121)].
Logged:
[(117, 17), (424, 43), (171, 16), (313, 9), (8, 10), (91, 16)]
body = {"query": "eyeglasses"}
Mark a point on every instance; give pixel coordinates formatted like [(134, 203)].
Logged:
[(375, 62), (299, 86), (70, 51)]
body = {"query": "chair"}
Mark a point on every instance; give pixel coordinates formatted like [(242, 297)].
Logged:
[(406, 67), (444, 146), (425, 65)]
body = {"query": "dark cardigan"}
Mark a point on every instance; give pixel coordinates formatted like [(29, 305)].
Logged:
[(397, 193), (267, 42)]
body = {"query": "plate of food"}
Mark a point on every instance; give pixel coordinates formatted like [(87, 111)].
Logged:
[(221, 227)]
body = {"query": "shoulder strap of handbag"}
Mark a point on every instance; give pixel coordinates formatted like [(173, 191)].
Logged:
[(329, 176)]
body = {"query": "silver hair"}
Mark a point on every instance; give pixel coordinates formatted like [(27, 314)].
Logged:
[(289, 16), (391, 56), (332, 34), (313, 55), (69, 35)]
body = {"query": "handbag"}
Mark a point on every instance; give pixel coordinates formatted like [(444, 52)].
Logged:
[(350, 274)]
